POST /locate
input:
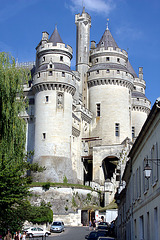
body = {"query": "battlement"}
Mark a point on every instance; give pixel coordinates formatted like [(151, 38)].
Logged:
[(139, 82), (25, 64), (58, 46), (141, 102), (109, 49), (82, 17)]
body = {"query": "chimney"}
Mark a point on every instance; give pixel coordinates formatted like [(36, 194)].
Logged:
[(93, 44), (45, 36), (141, 73)]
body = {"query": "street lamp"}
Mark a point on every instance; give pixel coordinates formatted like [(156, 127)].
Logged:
[(147, 169)]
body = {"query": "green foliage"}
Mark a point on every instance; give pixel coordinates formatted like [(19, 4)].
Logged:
[(74, 202), (66, 208), (40, 214), (46, 186), (65, 180), (13, 164)]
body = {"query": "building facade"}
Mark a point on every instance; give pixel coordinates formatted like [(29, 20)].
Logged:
[(81, 124), (139, 201)]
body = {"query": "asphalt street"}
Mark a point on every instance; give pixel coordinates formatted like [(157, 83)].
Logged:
[(70, 233)]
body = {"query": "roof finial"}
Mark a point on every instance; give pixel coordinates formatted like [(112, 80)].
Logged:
[(56, 26), (107, 23), (83, 6)]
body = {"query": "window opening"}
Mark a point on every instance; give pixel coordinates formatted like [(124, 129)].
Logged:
[(98, 109), (117, 129)]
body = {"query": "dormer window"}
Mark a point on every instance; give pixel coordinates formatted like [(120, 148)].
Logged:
[(61, 58)]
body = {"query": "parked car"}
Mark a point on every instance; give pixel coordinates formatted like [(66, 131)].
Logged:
[(36, 231), (57, 226), (106, 238), (95, 234)]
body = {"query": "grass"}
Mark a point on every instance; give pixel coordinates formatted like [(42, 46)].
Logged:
[(41, 184)]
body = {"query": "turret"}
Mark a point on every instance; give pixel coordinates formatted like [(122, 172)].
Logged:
[(54, 87), (140, 104), (83, 23)]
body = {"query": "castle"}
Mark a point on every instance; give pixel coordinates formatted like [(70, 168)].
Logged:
[(81, 124)]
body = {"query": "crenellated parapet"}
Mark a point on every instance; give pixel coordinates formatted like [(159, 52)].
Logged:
[(118, 82), (54, 86)]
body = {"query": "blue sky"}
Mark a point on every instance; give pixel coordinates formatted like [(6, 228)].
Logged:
[(134, 24)]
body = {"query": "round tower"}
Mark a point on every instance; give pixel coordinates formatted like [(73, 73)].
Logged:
[(110, 84), (140, 104), (83, 23), (54, 87)]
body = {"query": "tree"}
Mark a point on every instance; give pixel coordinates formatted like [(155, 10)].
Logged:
[(13, 183)]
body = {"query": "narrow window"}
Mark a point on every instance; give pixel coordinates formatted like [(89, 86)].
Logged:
[(96, 60), (38, 74), (118, 72), (43, 59), (61, 58), (47, 98), (133, 132), (97, 72), (50, 73), (50, 65), (107, 59), (126, 74), (63, 74), (98, 110), (43, 136), (117, 133), (118, 60), (107, 70)]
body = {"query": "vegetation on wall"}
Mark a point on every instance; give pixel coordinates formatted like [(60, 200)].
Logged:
[(13, 164)]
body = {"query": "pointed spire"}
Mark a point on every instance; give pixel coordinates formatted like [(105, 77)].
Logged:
[(107, 24), (107, 40), (55, 37)]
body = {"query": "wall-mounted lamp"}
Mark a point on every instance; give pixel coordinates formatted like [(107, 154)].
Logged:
[(147, 169)]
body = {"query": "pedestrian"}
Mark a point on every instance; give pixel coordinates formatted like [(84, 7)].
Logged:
[(19, 235), (90, 225), (8, 235), (24, 236), (16, 236), (94, 224)]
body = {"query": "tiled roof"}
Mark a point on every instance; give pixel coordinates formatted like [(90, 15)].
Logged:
[(58, 66), (103, 66), (55, 37), (136, 94), (131, 70), (107, 40)]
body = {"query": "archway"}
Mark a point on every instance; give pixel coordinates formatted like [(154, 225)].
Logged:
[(109, 165)]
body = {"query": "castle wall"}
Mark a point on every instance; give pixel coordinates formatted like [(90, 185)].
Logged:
[(114, 103)]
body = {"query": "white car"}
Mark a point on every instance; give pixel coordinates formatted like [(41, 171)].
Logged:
[(36, 231)]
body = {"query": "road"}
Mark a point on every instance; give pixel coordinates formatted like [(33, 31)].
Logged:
[(70, 233)]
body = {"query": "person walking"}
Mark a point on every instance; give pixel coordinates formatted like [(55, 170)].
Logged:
[(24, 236)]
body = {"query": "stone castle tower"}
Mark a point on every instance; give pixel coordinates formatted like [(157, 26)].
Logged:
[(81, 124)]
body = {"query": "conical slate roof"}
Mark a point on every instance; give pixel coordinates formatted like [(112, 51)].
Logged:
[(107, 40), (55, 37)]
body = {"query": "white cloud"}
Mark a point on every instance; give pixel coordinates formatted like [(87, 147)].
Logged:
[(97, 6)]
